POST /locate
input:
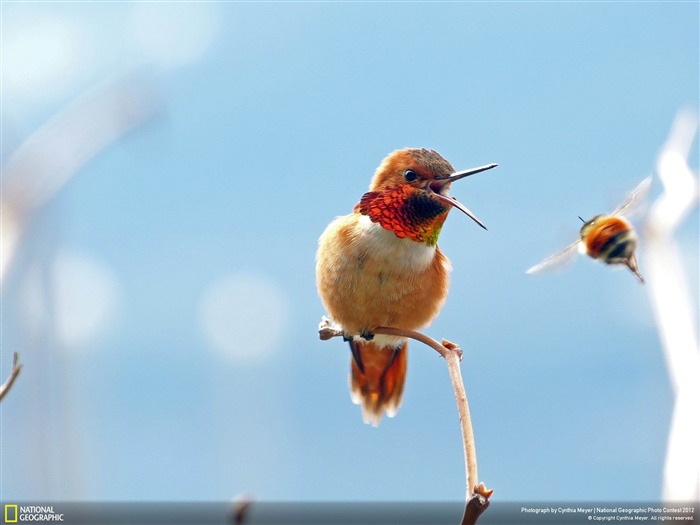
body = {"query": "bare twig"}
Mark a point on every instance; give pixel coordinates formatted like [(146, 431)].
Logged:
[(476, 505), (453, 357), (477, 495), (673, 308), (16, 369)]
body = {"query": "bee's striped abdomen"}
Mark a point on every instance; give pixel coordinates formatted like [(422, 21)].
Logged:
[(610, 239)]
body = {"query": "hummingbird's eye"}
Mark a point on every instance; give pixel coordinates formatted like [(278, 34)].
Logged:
[(410, 175)]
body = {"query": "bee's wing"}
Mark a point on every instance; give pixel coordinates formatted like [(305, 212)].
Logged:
[(558, 259), (634, 199)]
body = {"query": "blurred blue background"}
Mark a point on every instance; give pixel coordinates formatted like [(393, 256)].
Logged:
[(163, 301)]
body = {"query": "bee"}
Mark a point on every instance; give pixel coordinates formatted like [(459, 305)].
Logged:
[(607, 238)]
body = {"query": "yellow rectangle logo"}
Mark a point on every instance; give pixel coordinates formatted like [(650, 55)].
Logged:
[(10, 513)]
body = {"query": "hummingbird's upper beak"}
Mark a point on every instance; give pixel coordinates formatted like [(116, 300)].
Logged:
[(465, 173), (441, 182)]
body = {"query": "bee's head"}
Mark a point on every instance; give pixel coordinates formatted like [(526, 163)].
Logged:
[(589, 225)]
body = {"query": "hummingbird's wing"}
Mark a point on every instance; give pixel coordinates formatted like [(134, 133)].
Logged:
[(634, 199), (557, 260)]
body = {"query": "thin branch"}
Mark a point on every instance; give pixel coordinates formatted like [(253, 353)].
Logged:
[(477, 495), (16, 369), (453, 357), (326, 332)]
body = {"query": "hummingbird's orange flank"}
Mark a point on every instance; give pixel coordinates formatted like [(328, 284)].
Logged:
[(381, 266)]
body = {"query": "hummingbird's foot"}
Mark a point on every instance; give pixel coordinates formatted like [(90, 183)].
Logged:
[(367, 335)]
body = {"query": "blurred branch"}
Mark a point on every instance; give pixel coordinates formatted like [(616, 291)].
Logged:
[(56, 152), (477, 494), (675, 315), (16, 369), (241, 506)]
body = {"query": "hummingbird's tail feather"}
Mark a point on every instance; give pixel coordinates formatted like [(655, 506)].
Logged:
[(377, 378)]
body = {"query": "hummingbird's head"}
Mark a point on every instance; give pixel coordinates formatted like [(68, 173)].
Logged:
[(416, 167), (409, 193)]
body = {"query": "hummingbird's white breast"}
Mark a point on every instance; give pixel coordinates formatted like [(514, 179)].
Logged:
[(369, 277), (399, 254)]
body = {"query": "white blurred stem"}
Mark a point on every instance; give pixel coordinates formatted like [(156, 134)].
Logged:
[(9, 234), (673, 307), (58, 150)]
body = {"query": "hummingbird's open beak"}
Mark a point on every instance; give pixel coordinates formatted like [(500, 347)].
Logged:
[(448, 199)]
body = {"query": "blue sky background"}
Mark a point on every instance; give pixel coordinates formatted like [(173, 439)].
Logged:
[(164, 302)]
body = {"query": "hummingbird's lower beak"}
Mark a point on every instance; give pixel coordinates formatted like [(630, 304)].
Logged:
[(455, 203), (448, 199)]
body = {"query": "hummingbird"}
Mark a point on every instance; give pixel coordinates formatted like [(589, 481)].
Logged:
[(381, 266)]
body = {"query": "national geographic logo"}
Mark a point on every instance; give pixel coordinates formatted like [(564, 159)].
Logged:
[(10, 513), (14, 513)]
